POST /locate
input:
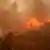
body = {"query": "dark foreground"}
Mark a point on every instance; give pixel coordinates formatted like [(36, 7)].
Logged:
[(29, 40)]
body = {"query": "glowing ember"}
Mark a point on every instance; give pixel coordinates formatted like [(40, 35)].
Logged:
[(47, 20), (33, 23)]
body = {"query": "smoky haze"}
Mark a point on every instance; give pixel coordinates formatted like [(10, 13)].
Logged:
[(25, 8)]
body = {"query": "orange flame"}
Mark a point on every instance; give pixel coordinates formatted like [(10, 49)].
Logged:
[(47, 20), (33, 23)]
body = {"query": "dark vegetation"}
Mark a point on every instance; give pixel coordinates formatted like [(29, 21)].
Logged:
[(29, 40)]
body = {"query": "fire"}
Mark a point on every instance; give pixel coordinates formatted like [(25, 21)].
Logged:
[(33, 23), (47, 20)]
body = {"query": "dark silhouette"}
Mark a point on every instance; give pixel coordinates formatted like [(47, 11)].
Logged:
[(9, 42), (29, 40), (45, 31)]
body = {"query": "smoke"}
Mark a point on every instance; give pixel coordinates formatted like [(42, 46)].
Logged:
[(26, 9)]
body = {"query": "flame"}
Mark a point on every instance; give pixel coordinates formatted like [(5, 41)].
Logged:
[(47, 20), (33, 23)]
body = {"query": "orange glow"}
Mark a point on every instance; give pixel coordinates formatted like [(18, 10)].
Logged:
[(47, 20), (33, 23)]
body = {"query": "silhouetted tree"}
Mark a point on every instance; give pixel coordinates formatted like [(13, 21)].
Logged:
[(45, 31), (29, 40)]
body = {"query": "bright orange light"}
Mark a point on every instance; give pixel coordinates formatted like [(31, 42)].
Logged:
[(33, 23), (47, 20)]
